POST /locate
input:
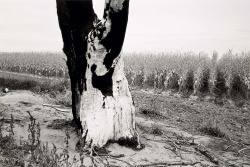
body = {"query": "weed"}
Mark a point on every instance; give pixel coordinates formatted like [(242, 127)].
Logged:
[(156, 131), (211, 127), (33, 137), (9, 150), (33, 152), (40, 153)]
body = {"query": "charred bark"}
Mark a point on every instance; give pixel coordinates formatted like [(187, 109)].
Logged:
[(75, 20)]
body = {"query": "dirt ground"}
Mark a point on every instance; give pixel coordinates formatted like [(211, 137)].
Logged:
[(169, 136)]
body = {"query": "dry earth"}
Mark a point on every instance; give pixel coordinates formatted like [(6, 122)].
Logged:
[(168, 142)]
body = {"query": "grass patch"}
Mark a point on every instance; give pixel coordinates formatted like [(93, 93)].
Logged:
[(35, 84), (212, 128), (56, 89)]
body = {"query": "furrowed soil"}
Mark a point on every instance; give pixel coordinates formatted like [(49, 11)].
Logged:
[(176, 131)]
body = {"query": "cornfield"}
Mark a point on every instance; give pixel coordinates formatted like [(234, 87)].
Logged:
[(41, 64), (184, 72)]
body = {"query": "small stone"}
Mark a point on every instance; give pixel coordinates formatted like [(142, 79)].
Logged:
[(5, 90)]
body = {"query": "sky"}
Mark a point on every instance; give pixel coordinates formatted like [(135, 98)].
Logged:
[(153, 26)]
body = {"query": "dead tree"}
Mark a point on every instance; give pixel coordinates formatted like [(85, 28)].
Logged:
[(102, 105)]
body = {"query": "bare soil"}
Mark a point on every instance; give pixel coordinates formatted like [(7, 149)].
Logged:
[(170, 127)]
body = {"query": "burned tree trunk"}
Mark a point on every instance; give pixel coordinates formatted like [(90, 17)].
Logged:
[(106, 111)]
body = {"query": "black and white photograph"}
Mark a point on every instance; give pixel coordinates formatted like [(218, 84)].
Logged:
[(124, 83)]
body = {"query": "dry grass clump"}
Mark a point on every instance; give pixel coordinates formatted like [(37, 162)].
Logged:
[(212, 128)]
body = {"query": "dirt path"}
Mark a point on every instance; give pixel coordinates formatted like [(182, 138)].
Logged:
[(162, 141)]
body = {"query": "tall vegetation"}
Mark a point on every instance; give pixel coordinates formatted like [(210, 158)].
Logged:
[(226, 75)]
